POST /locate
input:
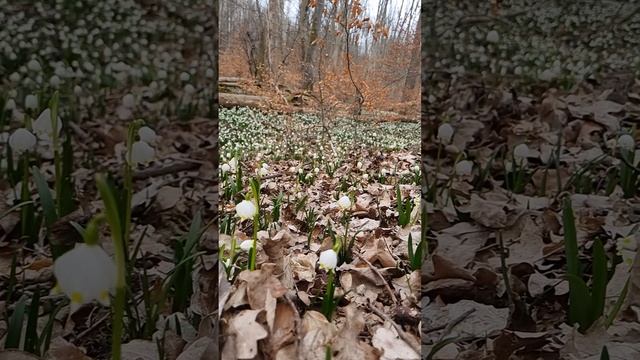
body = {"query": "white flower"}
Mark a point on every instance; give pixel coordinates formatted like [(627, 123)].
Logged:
[(84, 274), (43, 125), (344, 202), (292, 169), (464, 168), (31, 102), (129, 101), (184, 76), (22, 140), (328, 259), (626, 142), (316, 170), (141, 153), (493, 36), (365, 177), (359, 164), (189, 89), (262, 171), (10, 104), (54, 81), (234, 164), (246, 209), (225, 168), (521, 152), (246, 245), (445, 133), (34, 65), (147, 134), (77, 90)]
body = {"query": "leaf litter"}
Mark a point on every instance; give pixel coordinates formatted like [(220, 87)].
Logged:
[(274, 311), (470, 310)]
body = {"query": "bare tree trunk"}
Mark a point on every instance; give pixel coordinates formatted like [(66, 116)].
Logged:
[(262, 56), (303, 26), (309, 69), (413, 70)]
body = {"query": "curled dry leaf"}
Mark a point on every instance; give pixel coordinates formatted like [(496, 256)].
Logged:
[(246, 332), (392, 346), (259, 282)]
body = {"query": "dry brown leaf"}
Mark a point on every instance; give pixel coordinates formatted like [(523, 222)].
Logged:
[(375, 251), (392, 346), (247, 332), (140, 350), (258, 282), (60, 349)]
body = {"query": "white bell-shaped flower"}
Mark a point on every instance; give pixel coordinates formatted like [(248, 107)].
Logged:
[(34, 65), (328, 259), (344, 203), (84, 274), (22, 140), (225, 168), (626, 142), (246, 245), (445, 133), (234, 164), (246, 209), (141, 153), (128, 101), (43, 126), (147, 134), (464, 168), (521, 153), (10, 105), (493, 36), (189, 89), (31, 102), (55, 81)]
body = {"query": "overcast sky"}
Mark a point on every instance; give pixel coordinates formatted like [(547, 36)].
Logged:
[(371, 7)]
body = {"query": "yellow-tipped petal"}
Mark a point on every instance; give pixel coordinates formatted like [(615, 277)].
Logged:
[(56, 290), (104, 298)]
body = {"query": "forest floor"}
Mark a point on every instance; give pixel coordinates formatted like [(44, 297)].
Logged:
[(106, 76), (302, 169), (496, 283)]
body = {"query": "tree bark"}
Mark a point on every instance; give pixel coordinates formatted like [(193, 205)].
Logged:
[(309, 58)]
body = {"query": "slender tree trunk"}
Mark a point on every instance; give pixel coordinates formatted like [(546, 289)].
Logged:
[(413, 70), (309, 68)]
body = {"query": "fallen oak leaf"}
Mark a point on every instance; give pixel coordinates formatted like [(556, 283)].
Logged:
[(247, 333)]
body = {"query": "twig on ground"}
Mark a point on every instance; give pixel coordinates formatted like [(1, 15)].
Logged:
[(375, 270), (403, 335), (164, 170)]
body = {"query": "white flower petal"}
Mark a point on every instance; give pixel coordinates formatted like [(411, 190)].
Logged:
[(328, 259)]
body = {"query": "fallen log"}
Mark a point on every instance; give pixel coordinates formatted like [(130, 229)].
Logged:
[(230, 100)]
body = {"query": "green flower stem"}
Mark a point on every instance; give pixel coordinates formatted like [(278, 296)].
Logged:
[(128, 181), (24, 195), (328, 302), (53, 106), (254, 248), (255, 189), (113, 218)]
